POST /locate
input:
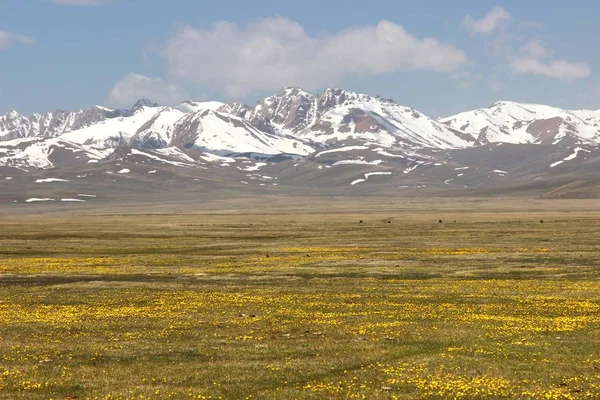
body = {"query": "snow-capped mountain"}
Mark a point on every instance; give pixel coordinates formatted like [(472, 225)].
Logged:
[(338, 115), (52, 124), (45, 153), (511, 122), (227, 134), (290, 110), (334, 139), (155, 133), (112, 132), (191, 106)]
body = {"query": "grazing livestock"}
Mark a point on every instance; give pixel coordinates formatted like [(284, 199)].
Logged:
[(440, 221)]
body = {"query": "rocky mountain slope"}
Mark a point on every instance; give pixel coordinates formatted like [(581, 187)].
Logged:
[(528, 123), (15, 126), (293, 140), (336, 115), (223, 133)]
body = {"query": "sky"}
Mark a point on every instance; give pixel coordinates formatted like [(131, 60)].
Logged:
[(440, 57)]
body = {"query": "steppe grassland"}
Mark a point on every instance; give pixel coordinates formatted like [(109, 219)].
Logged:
[(300, 305)]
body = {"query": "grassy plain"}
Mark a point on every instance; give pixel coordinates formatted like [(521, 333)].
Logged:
[(305, 303)]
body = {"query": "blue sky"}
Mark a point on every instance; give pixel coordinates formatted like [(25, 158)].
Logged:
[(440, 57)]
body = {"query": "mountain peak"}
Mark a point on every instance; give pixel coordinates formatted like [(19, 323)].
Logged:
[(335, 92), (291, 91), (102, 108), (143, 103), (498, 103), (342, 95), (191, 105), (12, 114)]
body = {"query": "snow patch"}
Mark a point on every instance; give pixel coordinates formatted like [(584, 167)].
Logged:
[(255, 167), (186, 161), (410, 169), (367, 175), (570, 156), (210, 157), (382, 152), (360, 162), (347, 148), (37, 199), (49, 180), (574, 155)]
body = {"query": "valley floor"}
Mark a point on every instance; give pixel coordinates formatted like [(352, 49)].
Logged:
[(281, 298)]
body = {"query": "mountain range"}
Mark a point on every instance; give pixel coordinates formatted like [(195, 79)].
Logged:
[(335, 141)]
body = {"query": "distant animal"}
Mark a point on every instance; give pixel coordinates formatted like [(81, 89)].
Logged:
[(389, 222), (541, 221), (267, 256), (360, 222), (440, 221)]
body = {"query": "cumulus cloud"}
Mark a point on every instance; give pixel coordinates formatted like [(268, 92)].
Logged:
[(488, 23), (276, 52), (535, 59), (9, 38), (135, 86), (534, 49), (564, 70), (522, 53), (82, 2)]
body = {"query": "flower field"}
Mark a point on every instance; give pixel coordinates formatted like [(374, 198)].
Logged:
[(205, 307)]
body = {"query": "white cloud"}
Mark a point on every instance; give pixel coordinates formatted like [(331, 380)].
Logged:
[(530, 61), (135, 86), (82, 2), (276, 52), (488, 23), (8, 38), (524, 55), (564, 70), (534, 49)]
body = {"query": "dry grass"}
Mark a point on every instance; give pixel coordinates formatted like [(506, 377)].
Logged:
[(302, 305)]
